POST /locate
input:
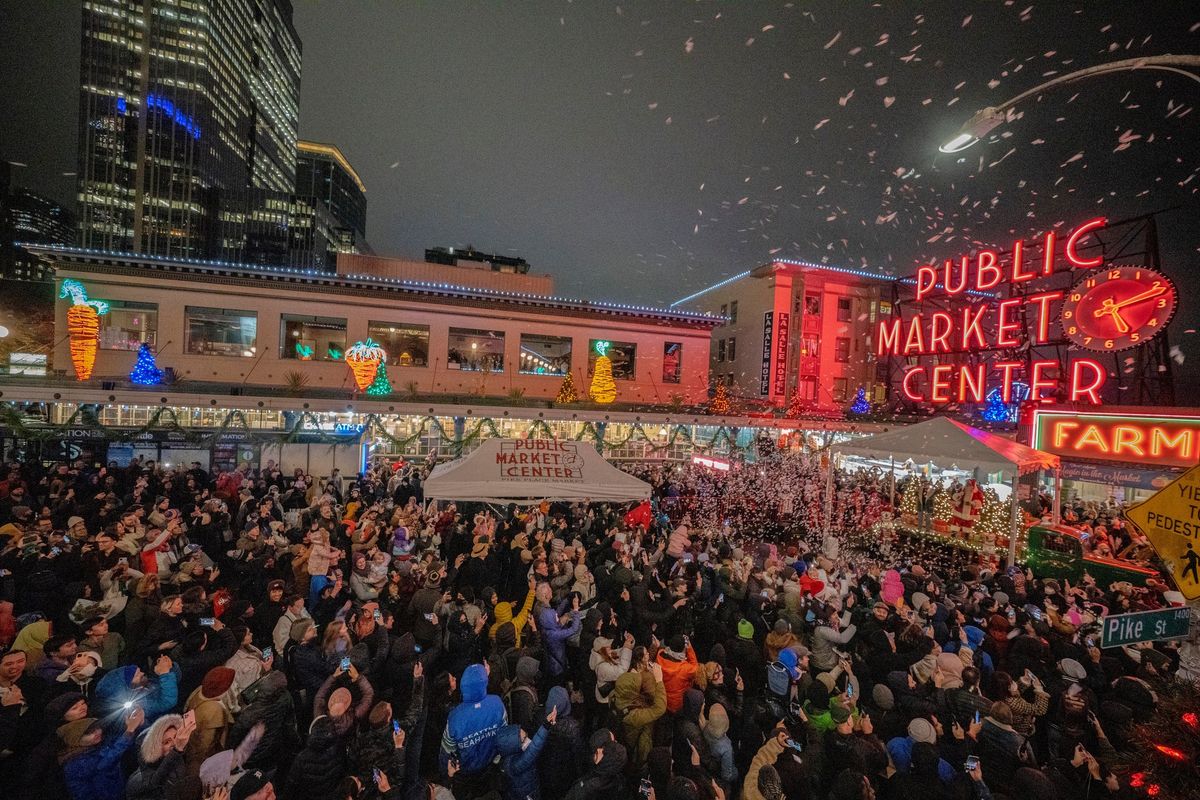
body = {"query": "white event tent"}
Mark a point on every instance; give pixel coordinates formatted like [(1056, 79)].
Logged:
[(531, 470)]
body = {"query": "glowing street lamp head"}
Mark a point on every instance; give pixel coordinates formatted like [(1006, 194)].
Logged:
[(975, 129)]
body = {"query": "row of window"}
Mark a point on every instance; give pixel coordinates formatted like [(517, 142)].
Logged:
[(227, 332)]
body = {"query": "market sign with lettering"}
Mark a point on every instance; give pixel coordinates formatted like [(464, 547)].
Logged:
[(1106, 310), (1152, 440)]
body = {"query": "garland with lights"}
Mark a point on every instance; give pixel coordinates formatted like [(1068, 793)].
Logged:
[(1164, 761), (307, 426), (566, 391), (603, 388), (145, 370)]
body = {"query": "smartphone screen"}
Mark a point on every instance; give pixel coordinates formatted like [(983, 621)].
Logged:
[(971, 764), (345, 663), (207, 621), (266, 654), (395, 726)]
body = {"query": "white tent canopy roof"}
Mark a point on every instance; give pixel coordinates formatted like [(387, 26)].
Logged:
[(947, 443), (529, 470)]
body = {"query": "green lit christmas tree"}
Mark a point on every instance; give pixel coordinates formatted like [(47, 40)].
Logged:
[(380, 387)]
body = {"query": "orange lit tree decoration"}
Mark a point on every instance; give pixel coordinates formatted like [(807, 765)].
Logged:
[(603, 388), (364, 359), (83, 327)]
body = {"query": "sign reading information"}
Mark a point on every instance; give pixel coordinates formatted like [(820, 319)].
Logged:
[(1144, 626), (1171, 521)]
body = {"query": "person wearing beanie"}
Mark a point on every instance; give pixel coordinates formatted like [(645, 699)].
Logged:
[(781, 636), (42, 779), (212, 717), (639, 700), (770, 787), (561, 762), (317, 768), (91, 761), (679, 665), (308, 665), (744, 657), (765, 758)]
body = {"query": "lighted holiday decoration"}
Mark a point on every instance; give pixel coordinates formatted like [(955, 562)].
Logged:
[(997, 410), (860, 405), (380, 387), (1163, 760), (83, 327), (145, 370), (304, 352), (364, 359), (603, 388), (720, 400), (566, 391)]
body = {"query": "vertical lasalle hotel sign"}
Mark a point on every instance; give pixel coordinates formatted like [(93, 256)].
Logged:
[(1109, 308), (772, 379)]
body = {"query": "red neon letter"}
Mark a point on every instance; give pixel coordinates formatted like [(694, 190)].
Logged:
[(889, 338), (1019, 275), (970, 386), (1048, 261), (962, 276), (1004, 328), (986, 265), (915, 340), (1043, 313), (926, 280), (1037, 382), (940, 331), (941, 383), (905, 384), (971, 327), (1090, 390), (1073, 244), (1007, 368)]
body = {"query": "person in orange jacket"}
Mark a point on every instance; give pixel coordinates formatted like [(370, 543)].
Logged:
[(679, 664)]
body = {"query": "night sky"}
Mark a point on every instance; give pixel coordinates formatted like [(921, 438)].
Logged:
[(641, 151)]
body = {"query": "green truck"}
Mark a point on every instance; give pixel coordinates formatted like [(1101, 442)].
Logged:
[(1056, 551)]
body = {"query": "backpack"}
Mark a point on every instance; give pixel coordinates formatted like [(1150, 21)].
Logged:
[(508, 698)]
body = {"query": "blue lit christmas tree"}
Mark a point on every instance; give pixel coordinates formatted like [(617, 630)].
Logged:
[(860, 404), (996, 409), (145, 371)]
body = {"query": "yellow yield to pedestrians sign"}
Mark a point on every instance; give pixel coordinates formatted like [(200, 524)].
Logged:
[(1171, 521)]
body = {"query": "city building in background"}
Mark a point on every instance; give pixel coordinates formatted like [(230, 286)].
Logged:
[(255, 329), (442, 265), (188, 122), (470, 257), (324, 175), (795, 334), (26, 216)]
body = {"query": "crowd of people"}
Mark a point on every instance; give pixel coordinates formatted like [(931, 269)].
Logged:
[(167, 633)]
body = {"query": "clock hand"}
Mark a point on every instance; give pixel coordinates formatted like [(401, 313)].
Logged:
[(1111, 308), (1146, 295)]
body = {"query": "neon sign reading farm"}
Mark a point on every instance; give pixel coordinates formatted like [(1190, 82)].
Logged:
[(1008, 323)]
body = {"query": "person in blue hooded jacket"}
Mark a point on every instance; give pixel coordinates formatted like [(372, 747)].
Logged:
[(155, 694), (91, 760), (470, 735), (554, 629), (519, 758), (566, 746)]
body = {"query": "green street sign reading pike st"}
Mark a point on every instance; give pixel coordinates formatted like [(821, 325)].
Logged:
[(1144, 626)]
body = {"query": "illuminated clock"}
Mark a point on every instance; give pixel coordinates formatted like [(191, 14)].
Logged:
[(1118, 308)]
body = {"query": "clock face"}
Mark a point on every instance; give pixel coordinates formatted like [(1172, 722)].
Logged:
[(1118, 308)]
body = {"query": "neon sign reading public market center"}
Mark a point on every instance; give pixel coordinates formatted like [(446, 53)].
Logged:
[(987, 326)]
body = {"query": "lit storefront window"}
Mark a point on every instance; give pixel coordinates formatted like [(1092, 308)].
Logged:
[(221, 332), (312, 338), (623, 355), (672, 362), (406, 345), (476, 350), (545, 355), (127, 325)]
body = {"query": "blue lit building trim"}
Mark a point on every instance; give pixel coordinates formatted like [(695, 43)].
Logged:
[(318, 278), (168, 108)]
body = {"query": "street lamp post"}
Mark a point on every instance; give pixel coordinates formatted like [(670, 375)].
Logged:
[(988, 118)]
